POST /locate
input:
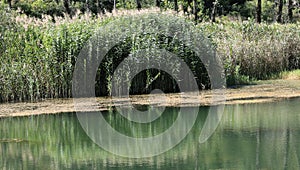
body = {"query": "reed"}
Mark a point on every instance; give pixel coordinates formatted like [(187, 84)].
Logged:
[(256, 51), (38, 56)]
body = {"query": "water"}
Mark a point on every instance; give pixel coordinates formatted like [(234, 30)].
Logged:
[(250, 136)]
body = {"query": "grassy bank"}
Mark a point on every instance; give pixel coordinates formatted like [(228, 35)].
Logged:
[(38, 56)]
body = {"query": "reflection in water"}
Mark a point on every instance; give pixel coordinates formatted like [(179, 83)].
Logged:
[(252, 136)]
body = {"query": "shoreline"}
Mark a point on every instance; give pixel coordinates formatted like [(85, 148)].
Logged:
[(262, 92)]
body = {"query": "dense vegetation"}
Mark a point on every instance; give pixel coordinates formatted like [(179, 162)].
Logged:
[(38, 52), (200, 10)]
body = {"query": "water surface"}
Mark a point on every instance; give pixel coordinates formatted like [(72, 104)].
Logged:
[(250, 136)]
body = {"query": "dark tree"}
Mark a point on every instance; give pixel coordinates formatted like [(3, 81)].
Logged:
[(258, 11), (158, 3), (207, 7), (67, 6), (9, 3), (290, 10), (176, 5), (138, 4), (279, 15), (99, 7), (108, 5)]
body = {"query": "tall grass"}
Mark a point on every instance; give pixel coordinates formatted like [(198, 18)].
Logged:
[(38, 56), (257, 51)]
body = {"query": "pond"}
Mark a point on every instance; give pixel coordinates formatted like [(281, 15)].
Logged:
[(249, 136)]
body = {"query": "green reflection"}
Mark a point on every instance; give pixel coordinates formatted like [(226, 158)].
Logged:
[(250, 136), (142, 130)]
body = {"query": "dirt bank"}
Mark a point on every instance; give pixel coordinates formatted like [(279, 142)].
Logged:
[(265, 91)]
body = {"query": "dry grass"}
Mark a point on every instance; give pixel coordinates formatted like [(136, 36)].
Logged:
[(291, 75)]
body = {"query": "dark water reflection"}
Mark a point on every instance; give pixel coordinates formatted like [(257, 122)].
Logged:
[(251, 136)]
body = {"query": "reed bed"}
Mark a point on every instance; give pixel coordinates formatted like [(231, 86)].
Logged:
[(255, 51), (38, 56)]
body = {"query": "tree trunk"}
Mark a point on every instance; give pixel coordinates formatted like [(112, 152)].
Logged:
[(9, 4), (279, 16), (138, 4), (258, 11), (176, 5), (115, 7), (185, 8), (213, 11), (290, 10), (196, 10), (158, 3)]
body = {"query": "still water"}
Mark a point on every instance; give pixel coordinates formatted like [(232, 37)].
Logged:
[(249, 136)]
